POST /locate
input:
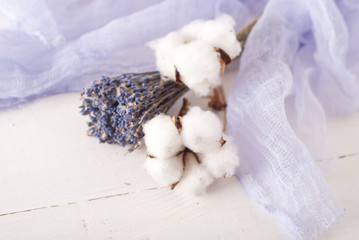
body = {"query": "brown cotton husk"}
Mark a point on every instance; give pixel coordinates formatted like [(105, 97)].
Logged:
[(222, 141), (185, 107), (177, 120)]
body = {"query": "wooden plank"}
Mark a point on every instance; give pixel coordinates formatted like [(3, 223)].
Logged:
[(148, 214), (47, 158), (344, 135), (343, 183), (224, 213)]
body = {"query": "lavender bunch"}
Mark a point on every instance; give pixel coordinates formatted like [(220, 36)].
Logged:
[(119, 106)]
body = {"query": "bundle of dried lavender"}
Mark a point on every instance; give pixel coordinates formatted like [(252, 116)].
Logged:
[(119, 106)]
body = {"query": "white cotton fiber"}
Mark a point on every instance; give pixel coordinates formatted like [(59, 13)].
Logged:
[(165, 171), (201, 130), (222, 162), (192, 31), (199, 66), (220, 33), (162, 137), (192, 51), (196, 178), (164, 49)]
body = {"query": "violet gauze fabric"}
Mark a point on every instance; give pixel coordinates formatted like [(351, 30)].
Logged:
[(299, 67), (49, 47), (293, 73)]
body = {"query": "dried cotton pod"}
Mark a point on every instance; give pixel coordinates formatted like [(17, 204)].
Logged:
[(223, 161), (162, 137), (199, 66), (165, 171), (196, 178), (201, 130), (164, 49)]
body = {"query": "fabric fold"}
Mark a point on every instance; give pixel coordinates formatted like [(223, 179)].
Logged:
[(34, 64), (292, 74)]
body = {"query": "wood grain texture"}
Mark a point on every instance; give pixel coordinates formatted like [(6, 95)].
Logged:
[(58, 183)]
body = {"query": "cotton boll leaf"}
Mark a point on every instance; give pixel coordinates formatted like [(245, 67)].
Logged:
[(165, 171), (162, 137), (221, 34), (196, 178), (164, 49), (222, 162), (199, 66), (201, 130)]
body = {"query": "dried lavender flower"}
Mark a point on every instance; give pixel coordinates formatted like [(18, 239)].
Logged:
[(119, 106)]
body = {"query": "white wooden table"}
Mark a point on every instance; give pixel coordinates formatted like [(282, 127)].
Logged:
[(58, 183)]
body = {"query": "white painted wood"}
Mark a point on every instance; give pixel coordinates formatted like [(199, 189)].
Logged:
[(48, 159), (344, 135), (151, 214), (58, 183), (224, 213)]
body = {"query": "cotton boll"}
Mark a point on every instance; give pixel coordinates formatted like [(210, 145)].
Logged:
[(226, 20), (191, 52), (192, 31), (164, 49), (201, 130), (195, 179), (221, 34), (162, 137), (165, 171), (222, 162), (199, 66)]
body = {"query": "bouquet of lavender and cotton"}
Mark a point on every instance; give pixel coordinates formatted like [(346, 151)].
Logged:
[(192, 58), (189, 150)]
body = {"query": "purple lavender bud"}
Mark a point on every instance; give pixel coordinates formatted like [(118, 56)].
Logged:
[(119, 106)]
